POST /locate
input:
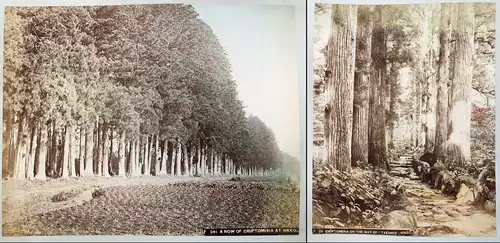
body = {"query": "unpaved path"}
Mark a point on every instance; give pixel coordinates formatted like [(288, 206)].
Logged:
[(439, 215), (165, 206)]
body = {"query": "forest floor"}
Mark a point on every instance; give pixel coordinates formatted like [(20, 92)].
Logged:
[(154, 205), (439, 215)]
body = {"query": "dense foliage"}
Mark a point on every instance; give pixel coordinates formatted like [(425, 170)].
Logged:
[(130, 76)]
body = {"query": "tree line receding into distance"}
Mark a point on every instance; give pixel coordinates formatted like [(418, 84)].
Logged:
[(123, 91)]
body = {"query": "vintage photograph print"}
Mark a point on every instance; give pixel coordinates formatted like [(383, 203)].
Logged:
[(162, 119), (404, 119)]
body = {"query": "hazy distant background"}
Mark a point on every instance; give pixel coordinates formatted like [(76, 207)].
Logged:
[(261, 45)]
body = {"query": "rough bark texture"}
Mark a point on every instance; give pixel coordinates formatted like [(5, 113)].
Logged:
[(30, 170), (430, 94), (6, 141), (21, 151), (164, 158), (121, 152), (460, 112), (72, 152), (178, 157), (442, 85), (66, 152), (157, 155), (82, 152), (40, 174), (186, 159), (89, 145), (361, 86), (106, 147), (377, 146), (340, 87)]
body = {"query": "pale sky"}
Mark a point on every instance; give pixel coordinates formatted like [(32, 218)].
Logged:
[(261, 45)]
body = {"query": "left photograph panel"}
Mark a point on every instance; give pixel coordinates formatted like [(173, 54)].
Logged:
[(157, 119)]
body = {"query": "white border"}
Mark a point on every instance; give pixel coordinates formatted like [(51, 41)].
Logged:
[(379, 238), (301, 62)]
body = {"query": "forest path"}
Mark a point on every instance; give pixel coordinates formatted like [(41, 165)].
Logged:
[(158, 206), (437, 214)]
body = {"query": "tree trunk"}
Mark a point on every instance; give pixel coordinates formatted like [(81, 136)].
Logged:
[(21, 151), (99, 151), (157, 155), (460, 112), (66, 152), (53, 151), (377, 149), (164, 158), (150, 156), (106, 148), (137, 168), (133, 158), (186, 160), (178, 157), (89, 147), (121, 152), (431, 99), (81, 164), (173, 159), (146, 156), (361, 86), (30, 170), (442, 89), (202, 164), (7, 141), (340, 86), (198, 158), (73, 148), (43, 138)]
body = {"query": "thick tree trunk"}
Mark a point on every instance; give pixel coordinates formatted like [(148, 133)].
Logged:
[(190, 158), (81, 164), (178, 157), (186, 160), (157, 155), (151, 155), (66, 152), (21, 149), (106, 148), (173, 159), (203, 159), (197, 165), (460, 112), (53, 151), (137, 168), (198, 158), (442, 85), (164, 158), (133, 158), (146, 156), (362, 86), (217, 163), (340, 86), (30, 170), (98, 151), (431, 91), (212, 160), (121, 154), (73, 151), (7, 141), (377, 149), (43, 137), (89, 147)]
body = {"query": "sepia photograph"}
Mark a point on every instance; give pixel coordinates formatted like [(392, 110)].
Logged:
[(404, 119), (151, 119)]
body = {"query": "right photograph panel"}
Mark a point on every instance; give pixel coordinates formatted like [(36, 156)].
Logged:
[(404, 119)]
